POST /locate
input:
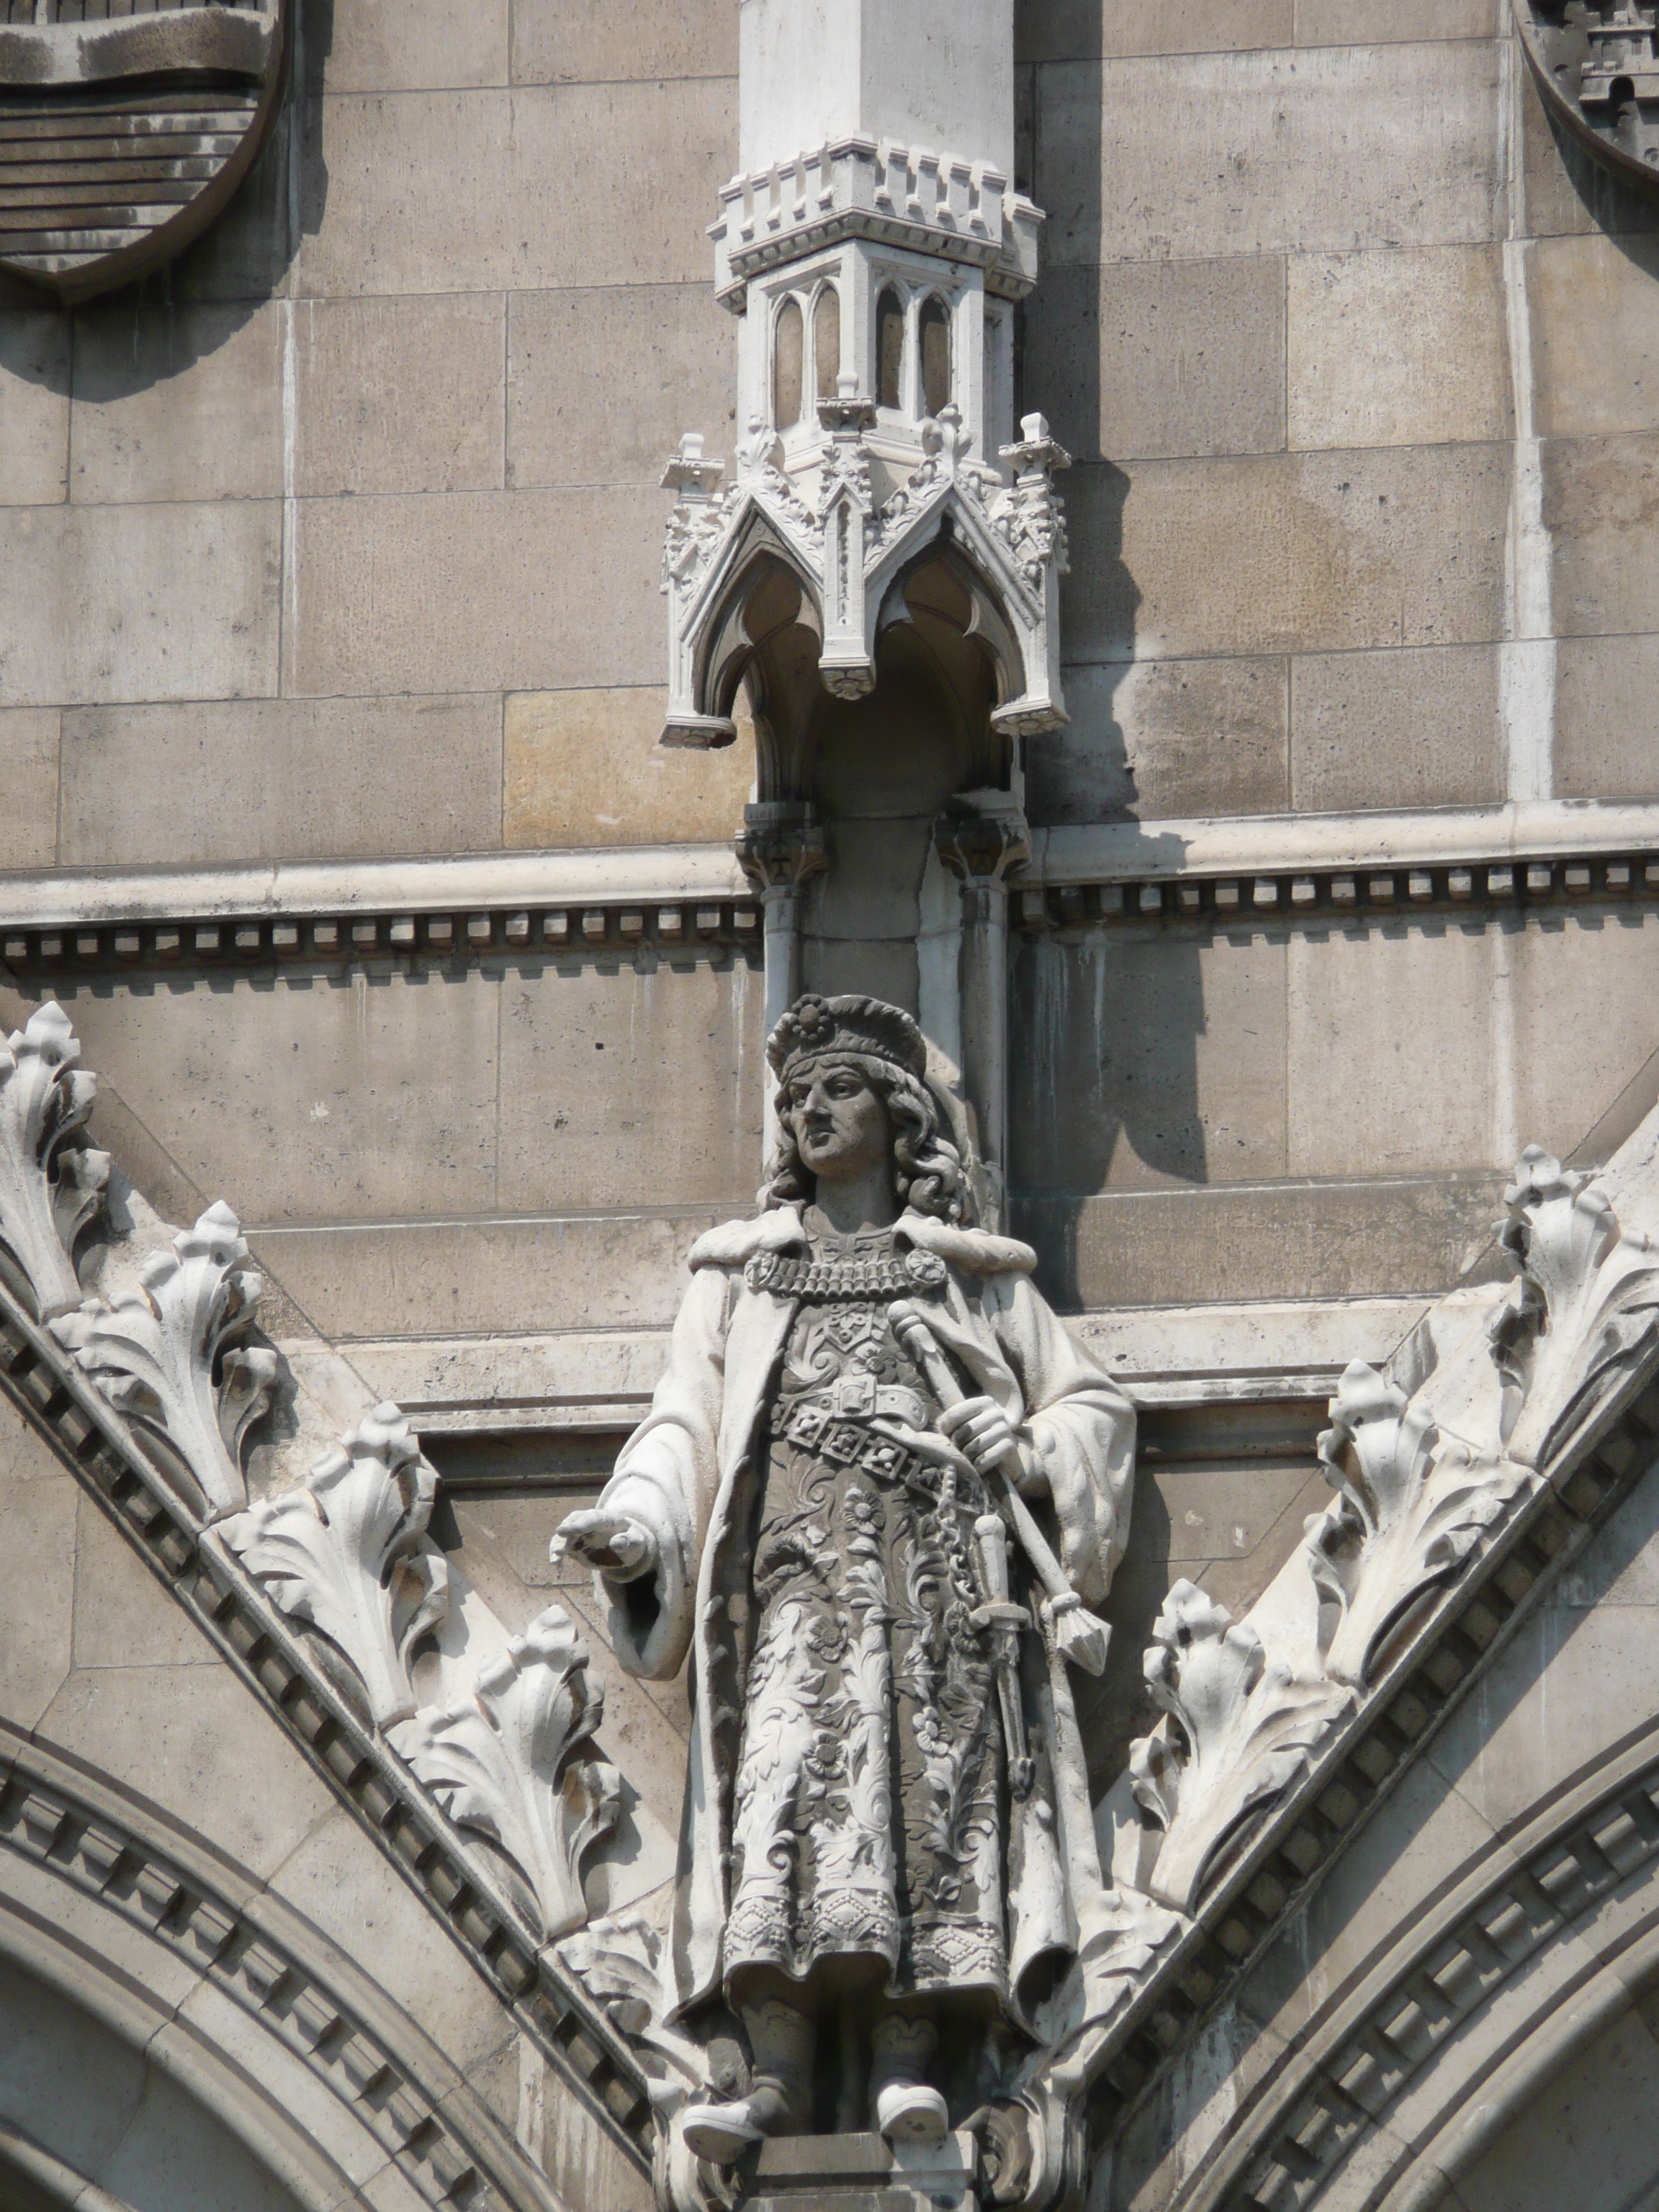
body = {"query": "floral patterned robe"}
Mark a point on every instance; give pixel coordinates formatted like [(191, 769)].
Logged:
[(847, 1788)]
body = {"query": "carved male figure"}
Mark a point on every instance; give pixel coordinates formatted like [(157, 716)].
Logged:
[(833, 1506)]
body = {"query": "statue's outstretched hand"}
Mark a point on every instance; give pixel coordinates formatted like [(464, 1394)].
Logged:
[(619, 1547)]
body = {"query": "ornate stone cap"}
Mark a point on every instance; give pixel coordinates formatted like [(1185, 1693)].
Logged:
[(814, 1028)]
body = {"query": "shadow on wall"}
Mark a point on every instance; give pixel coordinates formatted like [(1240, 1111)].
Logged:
[(1103, 1053), (127, 341), (1063, 171)]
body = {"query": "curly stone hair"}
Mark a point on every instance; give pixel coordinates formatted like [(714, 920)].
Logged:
[(929, 1176)]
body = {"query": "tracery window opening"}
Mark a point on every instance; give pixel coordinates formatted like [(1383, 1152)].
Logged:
[(826, 343), (934, 345), (890, 348), (788, 365)]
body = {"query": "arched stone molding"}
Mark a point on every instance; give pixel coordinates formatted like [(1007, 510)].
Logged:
[(331, 2088), (1541, 1941)]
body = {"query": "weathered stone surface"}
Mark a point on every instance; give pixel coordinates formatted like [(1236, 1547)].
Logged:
[(124, 1618), (1595, 354), (1354, 22), (621, 1270), (1576, 2139), (1400, 727), (269, 779), (1607, 744), (1348, 1239), (1604, 958), (313, 1097), (140, 602), (584, 768), (400, 395), (398, 222), (1585, 1664), (1371, 1010), (177, 403), (1600, 496), (1155, 738), (29, 764), (603, 1072), (193, 1739), (1442, 378), (476, 592), (340, 1880), (380, 46), (602, 381), (37, 1500), (1162, 1061), (1061, 30), (557, 45), (1148, 359), (34, 408), (1417, 124), (1320, 552)]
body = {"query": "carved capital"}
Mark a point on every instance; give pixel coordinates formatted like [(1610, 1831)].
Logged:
[(779, 850), (982, 848)]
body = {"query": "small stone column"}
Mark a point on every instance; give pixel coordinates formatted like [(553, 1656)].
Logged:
[(982, 850), (780, 847)]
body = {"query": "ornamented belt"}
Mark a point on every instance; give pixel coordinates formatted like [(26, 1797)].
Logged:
[(799, 1275), (845, 1440)]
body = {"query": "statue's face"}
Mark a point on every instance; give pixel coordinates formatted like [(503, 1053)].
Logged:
[(842, 1128)]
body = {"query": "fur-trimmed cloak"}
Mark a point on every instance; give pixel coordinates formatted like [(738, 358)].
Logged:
[(688, 1474)]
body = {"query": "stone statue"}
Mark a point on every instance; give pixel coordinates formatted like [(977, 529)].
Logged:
[(878, 1489)]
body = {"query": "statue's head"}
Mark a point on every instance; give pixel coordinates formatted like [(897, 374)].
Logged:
[(851, 1075)]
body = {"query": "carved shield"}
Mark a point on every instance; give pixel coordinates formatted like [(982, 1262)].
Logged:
[(122, 134), (1597, 66)]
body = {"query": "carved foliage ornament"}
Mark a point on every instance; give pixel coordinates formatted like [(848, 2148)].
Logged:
[(1244, 1724), (183, 97), (505, 1762), (1416, 1505), (51, 1182), (347, 1551), (1596, 65), (173, 1358), (1413, 1506)]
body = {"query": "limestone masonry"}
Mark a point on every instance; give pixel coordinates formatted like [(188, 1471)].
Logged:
[(828, 1105)]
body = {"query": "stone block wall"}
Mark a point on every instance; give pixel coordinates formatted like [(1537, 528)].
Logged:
[(341, 536), (1357, 365)]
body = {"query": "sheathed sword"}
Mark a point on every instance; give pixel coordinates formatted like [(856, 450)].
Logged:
[(1079, 1634), (1005, 1621)]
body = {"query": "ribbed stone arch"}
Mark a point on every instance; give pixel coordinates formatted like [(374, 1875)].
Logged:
[(200, 2008)]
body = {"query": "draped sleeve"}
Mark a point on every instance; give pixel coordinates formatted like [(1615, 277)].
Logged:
[(665, 1480), (1078, 1431)]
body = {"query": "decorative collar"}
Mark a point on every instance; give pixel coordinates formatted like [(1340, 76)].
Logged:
[(974, 1251)]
